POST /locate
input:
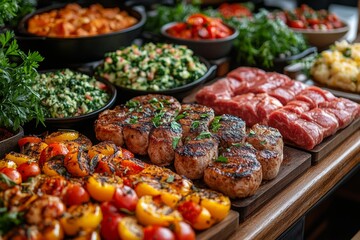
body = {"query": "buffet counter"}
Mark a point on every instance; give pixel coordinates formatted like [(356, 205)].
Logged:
[(285, 209)]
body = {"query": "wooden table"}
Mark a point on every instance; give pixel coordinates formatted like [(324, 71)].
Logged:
[(275, 217)]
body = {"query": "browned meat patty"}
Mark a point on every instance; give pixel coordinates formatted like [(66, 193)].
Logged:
[(236, 173), (228, 129), (162, 143), (109, 125), (192, 159), (269, 143)]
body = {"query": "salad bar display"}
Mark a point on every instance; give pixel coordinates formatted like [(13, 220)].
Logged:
[(120, 155)]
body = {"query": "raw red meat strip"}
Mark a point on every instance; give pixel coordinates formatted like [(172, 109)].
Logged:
[(266, 105), (344, 118), (245, 73), (327, 121), (220, 89), (305, 134), (282, 94), (311, 96)]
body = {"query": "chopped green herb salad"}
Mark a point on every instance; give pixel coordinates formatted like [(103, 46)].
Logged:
[(152, 67), (65, 93)]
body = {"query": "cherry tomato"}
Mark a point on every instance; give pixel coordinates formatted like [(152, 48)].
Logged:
[(28, 169), (296, 24), (154, 232), (104, 165), (12, 174), (54, 185), (75, 195), (109, 226), (109, 208), (125, 197), (184, 231), (52, 150), (29, 139), (189, 210)]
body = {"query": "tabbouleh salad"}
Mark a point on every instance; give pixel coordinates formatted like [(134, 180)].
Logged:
[(152, 67), (65, 93)]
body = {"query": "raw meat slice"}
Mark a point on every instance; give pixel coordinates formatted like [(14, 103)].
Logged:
[(281, 120), (328, 96), (311, 96), (266, 106), (344, 118), (305, 134), (220, 89), (327, 121), (284, 95), (245, 74), (343, 104)]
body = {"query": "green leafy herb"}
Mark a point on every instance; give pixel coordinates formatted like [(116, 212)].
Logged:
[(222, 159), (170, 179), (203, 135), (251, 133), (132, 104), (204, 115), (154, 100), (181, 116), (195, 125), (5, 179), (8, 220), (175, 142), (347, 52), (215, 124), (263, 142), (261, 40), (11, 11), (133, 119), (175, 126), (18, 102), (157, 119)]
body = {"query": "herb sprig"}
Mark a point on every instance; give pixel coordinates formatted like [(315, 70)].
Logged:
[(18, 102)]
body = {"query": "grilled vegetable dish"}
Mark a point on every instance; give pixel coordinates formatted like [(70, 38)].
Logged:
[(66, 93), (62, 186), (75, 21), (152, 67), (200, 26), (305, 17)]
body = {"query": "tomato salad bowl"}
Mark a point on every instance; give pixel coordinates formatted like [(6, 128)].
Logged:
[(207, 37)]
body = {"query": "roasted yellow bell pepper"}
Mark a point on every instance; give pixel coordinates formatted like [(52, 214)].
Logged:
[(18, 158), (129, 229), (150, 211), (79, 217), (61, 136), (102, 188)]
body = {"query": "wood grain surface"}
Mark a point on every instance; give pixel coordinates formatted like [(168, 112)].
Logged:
[(296, 199), (222, 230), (295, 163), (330, 143)]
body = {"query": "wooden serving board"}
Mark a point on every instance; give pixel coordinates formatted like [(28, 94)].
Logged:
[(221, 230), (330, 143), (294, 164)]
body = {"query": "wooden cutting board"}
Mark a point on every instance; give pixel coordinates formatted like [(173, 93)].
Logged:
[(330, 143), (221, 230), (294, 164)]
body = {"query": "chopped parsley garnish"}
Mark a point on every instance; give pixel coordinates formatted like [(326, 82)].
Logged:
[(203, 135), (175, 126), (236, 144), (133, 119), (132, 104), (263, 142), (175, 142), (154, 100), (204, 115), (222, 159), (170, 179), (181, 116), (251, 133), (157, 119), (195, 124), (215, 124), (5, 179)]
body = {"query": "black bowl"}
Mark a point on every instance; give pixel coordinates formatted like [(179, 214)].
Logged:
[(209, 49), (179, 93), (79, 121), (76, 50)]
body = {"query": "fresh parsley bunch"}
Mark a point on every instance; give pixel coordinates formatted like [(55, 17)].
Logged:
[(11, 11), (18, 102)]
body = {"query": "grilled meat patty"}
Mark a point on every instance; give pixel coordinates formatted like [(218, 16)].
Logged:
[(228, 129), (237, 173), (269, 143)]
